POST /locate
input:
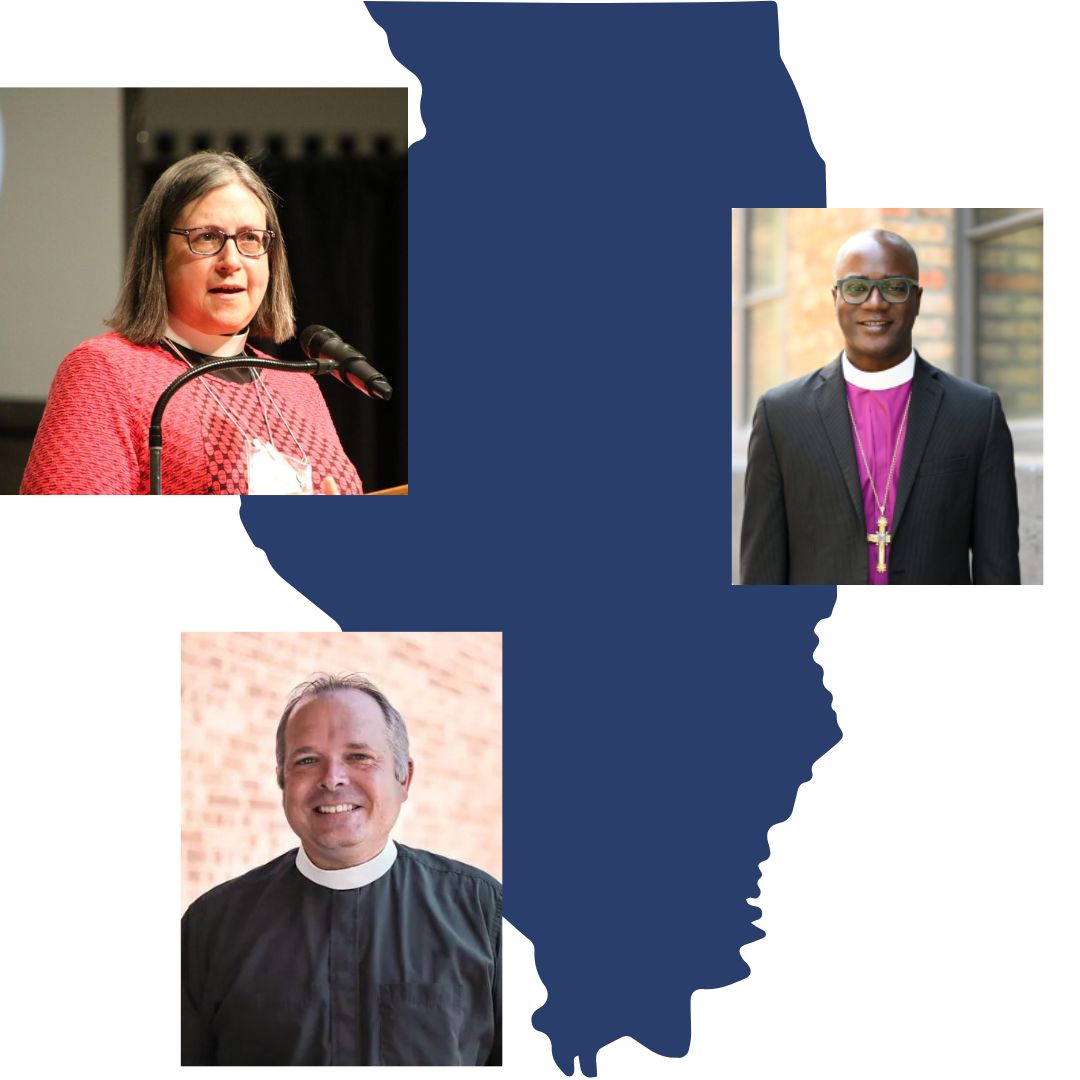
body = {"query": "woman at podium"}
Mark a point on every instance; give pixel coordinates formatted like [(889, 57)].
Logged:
[(205, 269)]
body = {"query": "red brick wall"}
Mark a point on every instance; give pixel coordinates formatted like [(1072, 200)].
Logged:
[(932, 233), (447, 686)]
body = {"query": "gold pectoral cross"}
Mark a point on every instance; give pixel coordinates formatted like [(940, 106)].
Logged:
[(881, 538)]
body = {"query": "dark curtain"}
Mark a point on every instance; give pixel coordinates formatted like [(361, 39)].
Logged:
[(345, 224)]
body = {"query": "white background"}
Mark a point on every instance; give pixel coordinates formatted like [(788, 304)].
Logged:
[(919, 905)]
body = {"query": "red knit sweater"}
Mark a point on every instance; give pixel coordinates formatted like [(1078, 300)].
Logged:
[(93, 436)]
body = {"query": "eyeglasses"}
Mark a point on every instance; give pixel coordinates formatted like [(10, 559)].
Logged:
[(203, 241), (895, 290)]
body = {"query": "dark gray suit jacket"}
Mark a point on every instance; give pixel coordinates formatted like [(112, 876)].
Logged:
[(956, 514)]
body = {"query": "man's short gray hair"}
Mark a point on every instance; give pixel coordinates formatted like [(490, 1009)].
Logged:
[(321, 684)]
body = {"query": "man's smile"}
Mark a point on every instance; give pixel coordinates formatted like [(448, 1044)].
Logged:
[(337, 808)]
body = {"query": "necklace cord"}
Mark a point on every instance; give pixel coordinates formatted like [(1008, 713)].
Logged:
[(155, 439), (878, 501)]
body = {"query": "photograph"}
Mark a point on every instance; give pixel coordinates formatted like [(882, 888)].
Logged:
[(887, 396), (341, 849), (217, 304)]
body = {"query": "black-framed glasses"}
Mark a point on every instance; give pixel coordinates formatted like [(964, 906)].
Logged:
[(206, 240), (895, 290)]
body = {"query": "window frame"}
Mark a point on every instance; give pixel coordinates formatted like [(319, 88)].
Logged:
[(743, 300), (969, 233)]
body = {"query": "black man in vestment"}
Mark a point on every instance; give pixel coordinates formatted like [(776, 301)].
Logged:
[(879, 468)]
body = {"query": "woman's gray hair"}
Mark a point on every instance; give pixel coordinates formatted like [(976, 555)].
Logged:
[(141, 313), (321, 684)]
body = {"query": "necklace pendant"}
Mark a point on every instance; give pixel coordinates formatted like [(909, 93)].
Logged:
[(881, 538)]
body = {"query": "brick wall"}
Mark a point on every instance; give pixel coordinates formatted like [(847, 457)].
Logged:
[(1009, 343), (447, 686), (814, 236), (932, 233)]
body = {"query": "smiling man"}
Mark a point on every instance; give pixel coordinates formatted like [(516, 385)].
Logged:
[(878, 468), (351, 949)]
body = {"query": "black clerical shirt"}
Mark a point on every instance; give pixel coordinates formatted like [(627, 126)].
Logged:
[(405, 970)]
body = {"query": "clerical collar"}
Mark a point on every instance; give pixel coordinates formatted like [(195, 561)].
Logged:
[(215, 345), (352, 877), (197, 359), (897, 375)]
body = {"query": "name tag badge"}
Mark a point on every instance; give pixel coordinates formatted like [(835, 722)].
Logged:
[(270, 472)]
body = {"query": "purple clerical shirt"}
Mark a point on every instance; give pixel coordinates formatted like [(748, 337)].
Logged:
[(878, 414)]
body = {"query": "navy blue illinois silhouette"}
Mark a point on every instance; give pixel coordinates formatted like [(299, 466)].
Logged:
[(569, 273)]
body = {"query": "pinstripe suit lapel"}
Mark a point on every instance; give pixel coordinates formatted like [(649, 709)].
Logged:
[(926, 394), (831, 401)]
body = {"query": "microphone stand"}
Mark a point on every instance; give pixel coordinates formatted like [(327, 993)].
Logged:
[(313, 367)]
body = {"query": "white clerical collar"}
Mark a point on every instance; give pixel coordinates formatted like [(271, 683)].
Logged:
[(879, 380), (207, 344), (352, 877)]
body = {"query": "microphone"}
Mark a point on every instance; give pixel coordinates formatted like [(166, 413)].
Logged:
[(349, 365)]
